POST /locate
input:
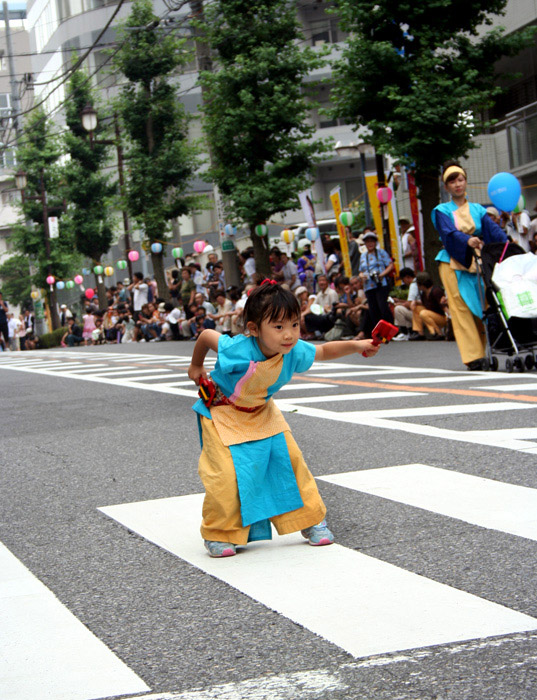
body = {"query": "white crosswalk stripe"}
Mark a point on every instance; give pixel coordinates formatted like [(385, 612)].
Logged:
[(403, 610), (45, 652)]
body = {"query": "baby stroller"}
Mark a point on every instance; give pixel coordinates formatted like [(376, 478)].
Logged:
[(511, 336)]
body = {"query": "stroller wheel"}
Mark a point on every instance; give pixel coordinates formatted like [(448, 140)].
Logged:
[(519, 364), (485, 364), (529, 362), (494, 364), (509, 365)]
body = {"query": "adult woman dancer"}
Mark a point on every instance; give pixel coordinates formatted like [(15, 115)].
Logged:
[(463, 227)]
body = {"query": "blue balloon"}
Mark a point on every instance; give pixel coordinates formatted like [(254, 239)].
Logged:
[(312, 233), (230, 230), (156, 248), (504, 191), (60, 285)]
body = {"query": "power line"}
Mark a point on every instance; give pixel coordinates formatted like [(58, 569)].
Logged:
[(8, 143)]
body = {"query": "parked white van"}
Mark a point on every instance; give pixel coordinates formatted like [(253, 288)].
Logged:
[(324, 225)]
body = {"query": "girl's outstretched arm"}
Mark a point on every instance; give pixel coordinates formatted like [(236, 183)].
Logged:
[(340, 348), (208, 340)]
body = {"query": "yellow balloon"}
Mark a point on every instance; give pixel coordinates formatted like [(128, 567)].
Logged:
[(34, 295), (288, 235), (109, 271)]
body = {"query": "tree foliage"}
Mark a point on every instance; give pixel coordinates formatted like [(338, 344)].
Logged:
[(420, 75), (38, 156), (255, 111), (16, 280), (161, 160), (89, 191)]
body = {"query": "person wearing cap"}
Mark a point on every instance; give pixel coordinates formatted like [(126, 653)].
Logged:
[(65, 314), (463, 228), (408, 243), (375, 267), (494, 214)]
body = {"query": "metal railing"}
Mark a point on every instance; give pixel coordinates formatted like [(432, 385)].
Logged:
[(521, 128)]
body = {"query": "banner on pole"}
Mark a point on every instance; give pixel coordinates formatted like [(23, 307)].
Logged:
[(335, 198), (395, 240), (306, 202), (53, 228), (416, 217)]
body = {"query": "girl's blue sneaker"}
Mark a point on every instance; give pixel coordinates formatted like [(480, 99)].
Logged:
[(318, 535), (220, 549)]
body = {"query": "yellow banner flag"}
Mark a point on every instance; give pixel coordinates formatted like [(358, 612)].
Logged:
[(335, 198)]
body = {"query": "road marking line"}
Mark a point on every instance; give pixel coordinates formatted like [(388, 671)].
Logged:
[(305, 385), (367, 371), (528, 386), (45, 651), (90, 368), (495, 505), (125, 370), (361, 604), (472, 377), (432, 389), (328, 398), (372, 419), (283, 686), (163, 376)]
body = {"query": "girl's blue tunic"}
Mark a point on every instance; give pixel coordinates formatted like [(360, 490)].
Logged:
[(265, 477)]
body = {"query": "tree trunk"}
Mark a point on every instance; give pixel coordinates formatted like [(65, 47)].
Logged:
[(160, 277), (261, 252), (101, 293), (54, 316), (429, 195)]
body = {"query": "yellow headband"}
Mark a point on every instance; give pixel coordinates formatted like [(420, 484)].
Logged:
[(453, 169)]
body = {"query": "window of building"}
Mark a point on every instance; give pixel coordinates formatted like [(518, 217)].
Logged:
[(8, 158), (5, 105)]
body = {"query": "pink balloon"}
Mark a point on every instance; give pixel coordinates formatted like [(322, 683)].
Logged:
[(384, 195), (199, 246), (90, 293), (50, 279), (79, 279), (133, 255)]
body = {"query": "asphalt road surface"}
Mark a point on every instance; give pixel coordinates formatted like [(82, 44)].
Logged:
[(429, 473)]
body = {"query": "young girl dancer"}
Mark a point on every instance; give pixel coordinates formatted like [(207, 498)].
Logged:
[(250, 465)]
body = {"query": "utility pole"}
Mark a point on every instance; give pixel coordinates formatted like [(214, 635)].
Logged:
[(15, 99), (126, 227)]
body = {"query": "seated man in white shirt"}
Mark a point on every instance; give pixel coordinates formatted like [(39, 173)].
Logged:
[(402, 312), (325, 298), (172, 317)]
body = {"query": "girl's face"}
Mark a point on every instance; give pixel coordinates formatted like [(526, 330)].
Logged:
[(277, 336), (457, 186)]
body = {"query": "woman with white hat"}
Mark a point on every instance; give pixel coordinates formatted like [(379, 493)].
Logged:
[(375, 268)]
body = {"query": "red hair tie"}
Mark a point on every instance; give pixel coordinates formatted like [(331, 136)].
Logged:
[(267, 281)]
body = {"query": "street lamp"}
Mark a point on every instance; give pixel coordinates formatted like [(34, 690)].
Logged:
[(90, 121), (89, 118), (21, 180)]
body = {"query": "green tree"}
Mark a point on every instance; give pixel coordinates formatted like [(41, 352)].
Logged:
[(16, 280), (88, 191), (420, 76), (255, 111), (38, 157), (161, 160)]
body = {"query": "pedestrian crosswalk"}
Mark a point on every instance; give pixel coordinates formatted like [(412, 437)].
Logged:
[(362, 604), (318, 393), (377, 611)]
